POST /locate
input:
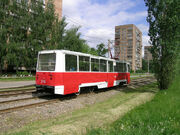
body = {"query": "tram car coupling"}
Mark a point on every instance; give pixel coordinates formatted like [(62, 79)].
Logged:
[(66, 72)]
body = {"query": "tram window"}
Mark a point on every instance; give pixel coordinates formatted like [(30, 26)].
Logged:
[(129, 69), (110, 66), (94, 64), (103, 67), (120, 67), (84, 63), (116, 67), (47, 62), (71, 62), (124, 67)]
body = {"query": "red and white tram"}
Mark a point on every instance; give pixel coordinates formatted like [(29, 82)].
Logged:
[(66, 72)]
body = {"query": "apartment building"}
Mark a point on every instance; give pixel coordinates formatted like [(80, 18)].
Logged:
[(57, 6), (147, 53), (128, 45)]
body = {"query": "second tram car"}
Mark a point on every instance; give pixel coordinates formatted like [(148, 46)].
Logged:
[(66, 72)]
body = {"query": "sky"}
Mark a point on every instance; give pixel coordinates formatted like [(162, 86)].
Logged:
[(98, 18)]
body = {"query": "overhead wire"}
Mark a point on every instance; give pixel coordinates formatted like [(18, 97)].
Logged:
[(85, 25)]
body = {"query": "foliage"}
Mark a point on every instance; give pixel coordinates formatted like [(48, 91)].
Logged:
[(145, 66), (26, 29), (164, 21), (101, 50), (23, 73), (93, 51), (72, 40)]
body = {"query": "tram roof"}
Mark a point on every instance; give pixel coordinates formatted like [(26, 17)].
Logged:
[(78, 53)]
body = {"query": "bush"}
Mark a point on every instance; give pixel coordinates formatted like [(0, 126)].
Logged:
[(23, 73)]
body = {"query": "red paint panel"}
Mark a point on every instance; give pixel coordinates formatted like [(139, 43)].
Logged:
[(49, 78), (72, 80)]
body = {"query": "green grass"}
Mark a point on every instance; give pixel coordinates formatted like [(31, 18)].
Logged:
[(96, 114), (32, 78), (137, 74), (161, 116)]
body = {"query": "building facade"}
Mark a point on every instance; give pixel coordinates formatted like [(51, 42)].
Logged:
[(128, 45), (147, 53), (57, 6)]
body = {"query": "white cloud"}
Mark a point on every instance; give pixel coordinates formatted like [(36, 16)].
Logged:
[(145, 40), (98, 21), (143, 28)]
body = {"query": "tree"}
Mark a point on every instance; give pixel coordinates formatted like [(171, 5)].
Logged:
[(72, 40), (26, 28), (93, 51), (3, 30), (164, 22), (41, 23), (101, 50), (58, 33), (145, 65)]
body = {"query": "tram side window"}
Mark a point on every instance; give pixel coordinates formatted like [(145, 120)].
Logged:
[(110, 66), (129, 69), (124, 67), (120, 67), (103, 67), (71, 62), (84, 63), (94, 64), (116, 67)]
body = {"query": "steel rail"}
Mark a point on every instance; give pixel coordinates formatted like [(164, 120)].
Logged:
[(27, 106), (17, 94), (14, 91), (21, 99), (147, 80)]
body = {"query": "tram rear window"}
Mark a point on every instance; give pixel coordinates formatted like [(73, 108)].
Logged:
[(47, 62)]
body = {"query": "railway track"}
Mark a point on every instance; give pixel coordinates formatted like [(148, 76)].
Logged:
[(53, 99), (21, 99), (16, 92), (27, 106)]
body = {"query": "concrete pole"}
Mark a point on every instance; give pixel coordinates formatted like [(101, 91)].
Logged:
[(108, 48), (148, 65)]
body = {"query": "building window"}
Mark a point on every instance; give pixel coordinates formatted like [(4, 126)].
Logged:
[(84, 63), (71, 62)]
